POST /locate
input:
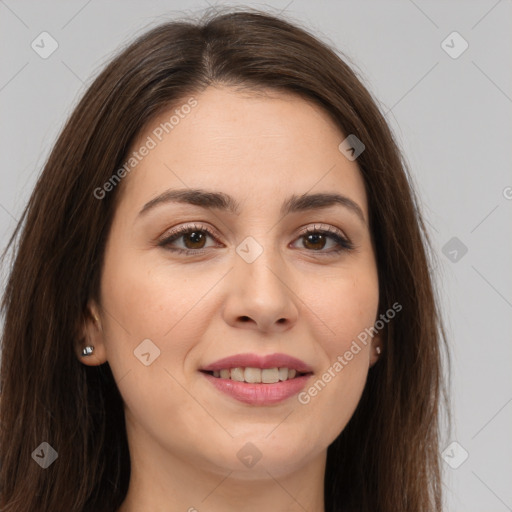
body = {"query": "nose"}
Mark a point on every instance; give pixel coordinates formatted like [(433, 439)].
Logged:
[(260, 295)]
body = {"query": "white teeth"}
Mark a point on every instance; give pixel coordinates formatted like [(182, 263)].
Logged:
[(256, 375), (283, 373), (237, 374), (270, 375), (253, 375)]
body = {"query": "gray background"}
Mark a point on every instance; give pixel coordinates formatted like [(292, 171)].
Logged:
[(452, 117)]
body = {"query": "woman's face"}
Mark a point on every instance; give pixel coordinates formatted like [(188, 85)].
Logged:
[(250, 281)]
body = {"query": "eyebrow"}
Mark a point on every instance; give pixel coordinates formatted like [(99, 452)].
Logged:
[(222, 201)]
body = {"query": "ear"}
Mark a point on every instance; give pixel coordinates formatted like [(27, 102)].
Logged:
[(92, 335), (376, 348)]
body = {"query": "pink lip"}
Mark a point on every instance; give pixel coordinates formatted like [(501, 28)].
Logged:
[(257, 361), (259, 394)]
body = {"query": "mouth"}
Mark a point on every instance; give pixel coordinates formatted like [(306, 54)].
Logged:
[(253, 375), (258, 380), (263, 386)]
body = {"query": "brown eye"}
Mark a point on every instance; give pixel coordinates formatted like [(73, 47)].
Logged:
[(187, 239), (326, 242), (194, 240), (314, 241)]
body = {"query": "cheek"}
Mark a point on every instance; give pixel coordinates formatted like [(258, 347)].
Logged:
[(347, 304), (347, 307), (147, 300), (152, 316), (151, 300)]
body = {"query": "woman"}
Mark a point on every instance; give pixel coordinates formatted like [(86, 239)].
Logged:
[(220, 296)]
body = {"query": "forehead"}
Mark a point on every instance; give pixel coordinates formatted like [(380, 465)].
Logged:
[(246, 144)]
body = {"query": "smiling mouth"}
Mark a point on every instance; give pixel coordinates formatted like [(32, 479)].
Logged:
[(256, 375)]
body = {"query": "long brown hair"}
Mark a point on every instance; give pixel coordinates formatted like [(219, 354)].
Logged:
[(387, 457)]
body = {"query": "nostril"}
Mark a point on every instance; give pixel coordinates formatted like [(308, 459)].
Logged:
[(244, 318)]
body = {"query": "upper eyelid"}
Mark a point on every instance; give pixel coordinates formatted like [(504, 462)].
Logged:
[(328, 229), (182, 230), (213, 231)]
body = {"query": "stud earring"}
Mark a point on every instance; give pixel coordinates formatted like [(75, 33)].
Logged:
[(87, 351), (377, 349)]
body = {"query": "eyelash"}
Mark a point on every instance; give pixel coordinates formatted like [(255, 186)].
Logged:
[(344, 244)]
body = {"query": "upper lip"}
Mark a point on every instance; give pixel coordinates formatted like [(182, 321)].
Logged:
[(259, 361)]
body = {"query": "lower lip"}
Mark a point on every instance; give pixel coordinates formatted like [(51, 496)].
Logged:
[(259, 394)]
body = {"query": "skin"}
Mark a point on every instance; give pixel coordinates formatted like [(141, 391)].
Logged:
[(183, 434)]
